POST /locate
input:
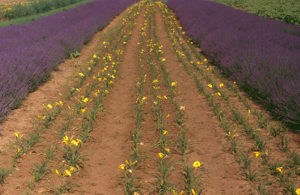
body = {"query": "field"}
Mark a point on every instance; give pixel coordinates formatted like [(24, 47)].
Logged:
[(286, 11), (131, 105)]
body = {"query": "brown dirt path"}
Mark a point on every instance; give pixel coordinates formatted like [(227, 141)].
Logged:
[(110, 144), (206, 139), (20, 120)]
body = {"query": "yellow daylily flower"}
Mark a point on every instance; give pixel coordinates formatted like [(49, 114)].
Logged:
[(256, 154), (279, 169), (298, 191), (49, 106), (122, 166), (57, 172), (173, 84), (155, 81), (196, 164), (83, 110), (72, 169), (210, 85), (193, 192), (67, 173), (160, 155), (81, 74), (165, 132), (85, 100), (18, 135)]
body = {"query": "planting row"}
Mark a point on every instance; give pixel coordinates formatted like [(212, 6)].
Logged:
[(31, 51), (262, 55)]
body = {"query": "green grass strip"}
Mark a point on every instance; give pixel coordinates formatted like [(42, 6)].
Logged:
[(27, 19)]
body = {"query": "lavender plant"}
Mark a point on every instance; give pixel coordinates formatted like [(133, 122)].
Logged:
[(262, 55)]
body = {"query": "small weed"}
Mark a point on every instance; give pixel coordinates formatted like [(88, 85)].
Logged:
[(66, 187), (49, 153), (39, 171), (284, 143), (3, 174)]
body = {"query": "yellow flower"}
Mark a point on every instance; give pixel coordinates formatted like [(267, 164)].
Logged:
[(81, 74), (193, 192), (167, 150), (85, 100), (205, 60), (72, 169), (155, 102), (298, 191), (106, 91), (155, 81), (173, 84), (83, 110), (19, 150), (221, 85), (122, 166), (210, 85), (49, 106), (182, 108), (181, 192), (18, 135), (165, 132), (219, 94), (163, 59), (95, 56), (196, 164), (160, 155), (67, 173), (256, 154), (168, 115), (279, 169), (75, 143), (57, 172)]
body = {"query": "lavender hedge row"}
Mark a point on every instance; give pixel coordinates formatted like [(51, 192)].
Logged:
[(263, 55), (29, 52)]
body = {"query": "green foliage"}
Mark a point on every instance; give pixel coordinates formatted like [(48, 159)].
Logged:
[(284, 10), (3, 174), (36, 7)]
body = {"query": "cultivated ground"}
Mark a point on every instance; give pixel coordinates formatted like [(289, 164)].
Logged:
[(140, 111)]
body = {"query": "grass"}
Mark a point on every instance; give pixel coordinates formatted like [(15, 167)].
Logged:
[(27, 19), (287, 11)]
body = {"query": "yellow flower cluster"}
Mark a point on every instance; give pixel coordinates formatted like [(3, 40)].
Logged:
[(66, 172), (70, 141)]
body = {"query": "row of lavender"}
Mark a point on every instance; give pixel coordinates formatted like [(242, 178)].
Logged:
[(263, 55), (29, 52)]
